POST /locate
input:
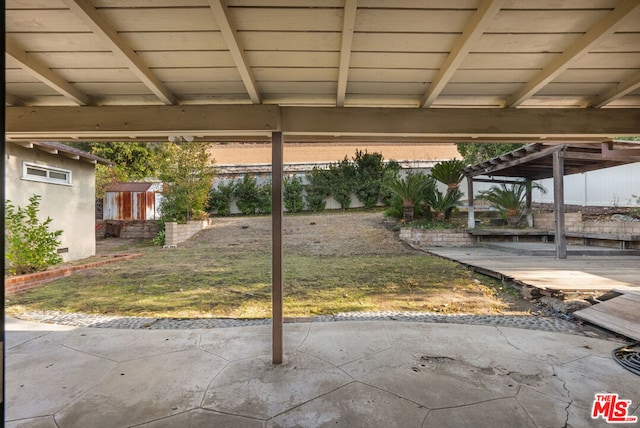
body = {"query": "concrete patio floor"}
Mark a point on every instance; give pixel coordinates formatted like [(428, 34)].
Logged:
[(350, 374)]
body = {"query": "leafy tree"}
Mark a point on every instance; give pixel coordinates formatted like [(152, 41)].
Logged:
[(293, 194), (220, 198), (318, 189), (473, 153), (29, 246), (188, 175), (132, 161)]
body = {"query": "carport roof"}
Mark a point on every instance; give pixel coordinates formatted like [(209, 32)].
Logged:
[(289, 65)]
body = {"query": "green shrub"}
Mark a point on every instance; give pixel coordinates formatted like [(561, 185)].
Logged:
[(343, 180), (318, 189), (29, 246), (160, 238), (247, 195), (293, 194), (264, 198), (220, 198)]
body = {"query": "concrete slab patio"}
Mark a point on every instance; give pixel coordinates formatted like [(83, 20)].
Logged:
[(351, 374)]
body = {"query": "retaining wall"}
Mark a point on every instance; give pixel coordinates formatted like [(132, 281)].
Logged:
[(420, 238), (176, 233), (14, 284)]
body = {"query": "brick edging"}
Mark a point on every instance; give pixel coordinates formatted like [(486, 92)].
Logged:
[(14, 284)]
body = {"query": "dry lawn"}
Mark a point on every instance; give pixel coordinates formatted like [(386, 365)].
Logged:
[(333, 263)]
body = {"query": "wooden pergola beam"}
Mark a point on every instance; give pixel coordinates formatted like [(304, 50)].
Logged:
[(92, 18), (228, 30), (348, 26), (598, 32), (471, 34)]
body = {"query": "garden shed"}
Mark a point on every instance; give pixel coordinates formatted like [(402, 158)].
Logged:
[(132, 201)]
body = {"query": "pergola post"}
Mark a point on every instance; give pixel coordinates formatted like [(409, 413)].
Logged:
[(276, 247), (558, 203), (472, 220), (528, 203)]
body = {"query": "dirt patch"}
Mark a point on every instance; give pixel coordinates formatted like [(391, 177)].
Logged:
[(327, 234)]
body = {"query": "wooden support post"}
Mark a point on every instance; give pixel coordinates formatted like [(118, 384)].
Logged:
[(528, 203), (472, 219), (558, 202), (277, 247)]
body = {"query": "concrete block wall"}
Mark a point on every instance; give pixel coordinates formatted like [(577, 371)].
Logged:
[(139, 230), (176, 233), (613, 227), (129, 229), (546, 221), (422, 238)]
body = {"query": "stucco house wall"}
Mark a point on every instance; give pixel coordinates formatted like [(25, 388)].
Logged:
[(70, 206)]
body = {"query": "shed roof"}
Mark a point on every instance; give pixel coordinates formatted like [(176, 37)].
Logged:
[(132, 187), (535, 161)]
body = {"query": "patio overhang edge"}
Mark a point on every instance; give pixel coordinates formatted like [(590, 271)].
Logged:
[(212, 122)]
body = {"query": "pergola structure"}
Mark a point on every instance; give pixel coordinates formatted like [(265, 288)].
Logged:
[(543, 160), (310, 70)]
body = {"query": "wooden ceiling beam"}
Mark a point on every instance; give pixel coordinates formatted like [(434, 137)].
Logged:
[(44, 74), (623, 88), (12, 100), (92, 18), (316, 122), (348, 26), (480, 20), (598, 32), (221, 14)]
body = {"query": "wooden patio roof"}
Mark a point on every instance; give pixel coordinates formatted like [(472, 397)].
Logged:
[(493, 70), (535, 161)]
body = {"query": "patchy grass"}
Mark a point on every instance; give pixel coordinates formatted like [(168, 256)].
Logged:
[(229, 280)]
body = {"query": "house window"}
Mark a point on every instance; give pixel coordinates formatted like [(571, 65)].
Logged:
[(46, 174)]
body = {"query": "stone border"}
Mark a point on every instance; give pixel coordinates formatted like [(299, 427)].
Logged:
[(15, 284)]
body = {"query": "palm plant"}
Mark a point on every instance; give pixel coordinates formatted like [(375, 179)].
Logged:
[(449, 173), (443, 204), (410, 189), (509, 199)]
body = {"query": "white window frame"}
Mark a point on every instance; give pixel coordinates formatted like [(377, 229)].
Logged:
[(68, 181)]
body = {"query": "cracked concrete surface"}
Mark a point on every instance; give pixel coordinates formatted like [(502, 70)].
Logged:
[(350, 374)]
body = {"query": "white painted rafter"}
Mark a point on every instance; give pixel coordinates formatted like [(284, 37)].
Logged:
[(92, 18), (44, 74), (348, 25), (221, 13), (623, 88), (596, 34), (472, 32)]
